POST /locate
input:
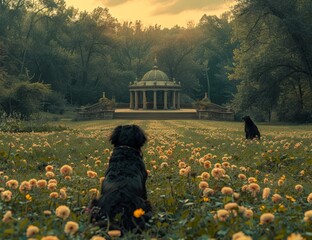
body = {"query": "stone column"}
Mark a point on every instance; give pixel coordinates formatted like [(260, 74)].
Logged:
[(174, 99), (131, 100), (144, 100), (136, 100), (155, 100), (179, 100), (166, 100)]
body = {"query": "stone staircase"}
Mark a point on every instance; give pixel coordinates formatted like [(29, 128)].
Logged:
[(155, 115)]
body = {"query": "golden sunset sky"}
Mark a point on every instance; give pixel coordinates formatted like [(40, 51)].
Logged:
[(166, 13)]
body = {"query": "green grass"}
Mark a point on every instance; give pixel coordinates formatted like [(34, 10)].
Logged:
[(180, 209)]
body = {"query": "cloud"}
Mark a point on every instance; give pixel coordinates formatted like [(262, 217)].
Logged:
[(178, 6), (111, 3), (174, 6)]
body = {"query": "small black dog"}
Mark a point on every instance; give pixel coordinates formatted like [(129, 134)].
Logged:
[(123, 189), (251, 129)]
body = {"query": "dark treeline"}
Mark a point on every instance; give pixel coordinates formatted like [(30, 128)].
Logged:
[(256, 58)]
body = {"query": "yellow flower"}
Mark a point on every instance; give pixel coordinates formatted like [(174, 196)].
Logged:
[(280, 182), (308, 216), (207, 192), (266, 193), (252, 180), (50, 174), (222, 215), (41, 183), (290, 198), (71, 227), (231, 206), (248, 213), (31, 230), (28, 197), (47, 212), (52, 186), (94, 193), (227, 191), (6, 195), (12, 184), (66, 170), (114, 233), (207, 164), (262, 208), (54, 195), (281, 208), (33, 182), (91, 174), (254, 188), (182, 171), (242, 176), (7, 217), (276, 198), (50, 238), (63, 194), (49, 168), (62, 212), (106, 150), (217, 173), (24, 187), (67, 178), (266, 218), (299, 187), (295, 236), (205, 176), (240, 236), (217, 165), (202, 185), (205, 199), (138, 213), (52, 181), (97, 238)]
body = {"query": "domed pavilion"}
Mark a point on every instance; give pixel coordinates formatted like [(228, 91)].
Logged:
[(155, 91)]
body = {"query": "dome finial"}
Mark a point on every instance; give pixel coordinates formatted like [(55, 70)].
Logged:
[(155, 63)]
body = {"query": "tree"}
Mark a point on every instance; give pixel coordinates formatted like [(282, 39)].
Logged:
[(175, 56), (215, 56), (274, 54), (134, 46)]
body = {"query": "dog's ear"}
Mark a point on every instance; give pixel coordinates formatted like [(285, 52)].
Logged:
[(140, 136), (114, 138)]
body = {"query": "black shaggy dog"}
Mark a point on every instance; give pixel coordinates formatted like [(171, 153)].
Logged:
[(251, 129), (123, 189)]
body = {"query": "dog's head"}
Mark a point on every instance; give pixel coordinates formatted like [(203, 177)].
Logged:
[(246, 118), (128, 135)]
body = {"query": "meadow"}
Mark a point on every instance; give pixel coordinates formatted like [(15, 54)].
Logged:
[(205, 181)]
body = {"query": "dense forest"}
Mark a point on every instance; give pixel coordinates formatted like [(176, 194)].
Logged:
[(257, 58)]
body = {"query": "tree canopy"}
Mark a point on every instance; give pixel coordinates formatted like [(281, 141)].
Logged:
[(256, 58), (274, 57)]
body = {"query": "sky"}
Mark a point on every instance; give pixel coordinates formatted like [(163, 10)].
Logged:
[(166, 13)]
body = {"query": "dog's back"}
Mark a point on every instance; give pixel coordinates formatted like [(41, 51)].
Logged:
[(123, 189)]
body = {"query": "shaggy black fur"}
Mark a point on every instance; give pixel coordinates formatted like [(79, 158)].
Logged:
[(123, 189), (251, 129)]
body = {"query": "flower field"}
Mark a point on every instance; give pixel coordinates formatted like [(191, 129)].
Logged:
[(205, 181)]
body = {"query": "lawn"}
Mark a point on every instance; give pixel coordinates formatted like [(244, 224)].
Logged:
[(205, 180)]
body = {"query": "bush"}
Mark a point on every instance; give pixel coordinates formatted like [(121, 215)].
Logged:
[(55, 103), (8, 124)]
